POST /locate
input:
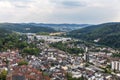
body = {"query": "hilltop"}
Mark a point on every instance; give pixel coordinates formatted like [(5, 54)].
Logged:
[(25, 28), (106, 34)]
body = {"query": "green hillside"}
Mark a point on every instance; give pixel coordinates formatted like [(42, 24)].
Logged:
[(3, 32), (107, 34), (25, 28)]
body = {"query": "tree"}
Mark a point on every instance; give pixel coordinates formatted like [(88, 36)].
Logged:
[(22, 63), (3, 75), (31, 51)]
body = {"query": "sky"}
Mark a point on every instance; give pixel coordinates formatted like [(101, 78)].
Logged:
[(60, 11)]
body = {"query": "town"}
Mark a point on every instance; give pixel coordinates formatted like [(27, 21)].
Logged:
[(59, 39), (93, 63)]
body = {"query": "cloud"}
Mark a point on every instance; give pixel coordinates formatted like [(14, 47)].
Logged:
[(72, 4), (69, 3), (60, 11)]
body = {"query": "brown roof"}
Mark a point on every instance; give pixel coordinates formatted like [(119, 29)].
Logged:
[(29, 73)]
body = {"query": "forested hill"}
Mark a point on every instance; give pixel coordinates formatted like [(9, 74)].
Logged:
[(106, 34), (4, 32), (25, 28)]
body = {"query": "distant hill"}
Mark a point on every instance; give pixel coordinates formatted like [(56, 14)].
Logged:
[(41, 27), (107, 34), (25, 28), (62, 27)]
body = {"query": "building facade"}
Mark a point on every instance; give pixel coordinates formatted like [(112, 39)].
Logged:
[(115, 65)]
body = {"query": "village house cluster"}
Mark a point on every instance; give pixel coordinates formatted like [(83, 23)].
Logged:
[(9, 62), (57, 64), (96, 63), (47, 38)]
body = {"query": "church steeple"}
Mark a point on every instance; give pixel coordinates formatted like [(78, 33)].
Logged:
[(86, 55)]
